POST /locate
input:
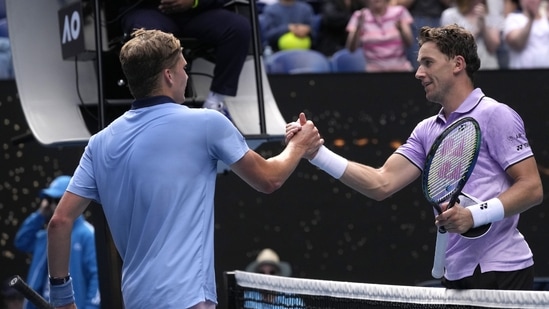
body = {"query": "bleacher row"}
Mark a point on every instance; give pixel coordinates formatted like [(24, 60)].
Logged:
[(6, 66), (298, 61)]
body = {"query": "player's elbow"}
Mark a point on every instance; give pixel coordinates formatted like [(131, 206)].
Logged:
[(537, 194), (380, 195), (377, 193), (269, 186), (59, 223)]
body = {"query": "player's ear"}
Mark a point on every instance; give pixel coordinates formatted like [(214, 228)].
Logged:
[(167, 76), (459, 63)]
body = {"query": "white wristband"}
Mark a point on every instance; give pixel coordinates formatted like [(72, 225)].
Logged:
[(330, 162), (487, 212)]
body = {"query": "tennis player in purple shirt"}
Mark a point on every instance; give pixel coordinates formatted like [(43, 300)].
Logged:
[(505, 178)]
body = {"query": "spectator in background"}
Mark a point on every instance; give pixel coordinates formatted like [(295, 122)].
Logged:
[(208, 22), (335, 16), (268, 263), (31, 238), (384, 32), (424, 13), (6, 62), (288, 24), (526, 33), (473, 15), (508, 6)]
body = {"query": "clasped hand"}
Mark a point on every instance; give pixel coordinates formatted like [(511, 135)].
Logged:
[(304, 132)]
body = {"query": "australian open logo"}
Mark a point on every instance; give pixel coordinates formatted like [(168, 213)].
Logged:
[(70, 28)]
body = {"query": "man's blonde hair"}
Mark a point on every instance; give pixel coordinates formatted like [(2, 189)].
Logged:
[(146, 55)]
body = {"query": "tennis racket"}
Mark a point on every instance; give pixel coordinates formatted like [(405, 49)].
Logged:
[(17, 283), (449, 164)]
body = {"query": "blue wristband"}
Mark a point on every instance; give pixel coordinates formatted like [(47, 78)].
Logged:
[(62, 295)]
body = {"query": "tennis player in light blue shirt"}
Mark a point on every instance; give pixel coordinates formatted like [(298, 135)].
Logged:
[(160, 220), (153, 170), (505, 180)]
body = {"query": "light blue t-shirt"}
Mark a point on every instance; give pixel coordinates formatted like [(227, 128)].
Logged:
[(154, 171), (503, 143)]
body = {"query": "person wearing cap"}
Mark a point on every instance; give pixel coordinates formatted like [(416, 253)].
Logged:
[(32, 238), (268, 263)]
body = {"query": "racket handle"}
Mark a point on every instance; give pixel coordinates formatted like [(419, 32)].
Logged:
[(440, 255), (17, 283)]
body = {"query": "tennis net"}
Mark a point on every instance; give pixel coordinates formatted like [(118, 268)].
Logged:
[(251, 290)]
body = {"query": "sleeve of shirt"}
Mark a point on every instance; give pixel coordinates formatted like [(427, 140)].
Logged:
[(506, 137), (83, 181), (25, 239), (226, 143), (514, 21), (445, 18), (415, 149), (351, 25), (405, 16)]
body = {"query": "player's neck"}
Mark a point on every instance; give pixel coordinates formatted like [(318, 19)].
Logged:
[(455, 98)]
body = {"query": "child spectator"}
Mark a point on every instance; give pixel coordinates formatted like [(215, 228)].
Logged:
[(288, 24)]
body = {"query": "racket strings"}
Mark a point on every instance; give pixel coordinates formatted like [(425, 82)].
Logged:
[(451, 162)]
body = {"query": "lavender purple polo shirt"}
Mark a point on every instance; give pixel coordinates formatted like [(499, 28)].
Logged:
[(503, 143)]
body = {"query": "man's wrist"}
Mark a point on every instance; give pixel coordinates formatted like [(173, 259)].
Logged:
[(62, 295), (59, 280), (487, 212), (330, 162)]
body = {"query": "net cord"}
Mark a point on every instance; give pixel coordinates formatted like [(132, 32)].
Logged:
[(395, 293)]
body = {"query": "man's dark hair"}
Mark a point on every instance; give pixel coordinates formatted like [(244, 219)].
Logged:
[(453, 40)]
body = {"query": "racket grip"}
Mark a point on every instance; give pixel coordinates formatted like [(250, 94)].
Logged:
[(17, 283), (440, 254)]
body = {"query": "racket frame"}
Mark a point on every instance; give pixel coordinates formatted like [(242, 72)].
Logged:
[(442, 235)]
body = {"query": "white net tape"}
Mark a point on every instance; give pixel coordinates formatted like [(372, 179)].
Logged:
[(395, 293)]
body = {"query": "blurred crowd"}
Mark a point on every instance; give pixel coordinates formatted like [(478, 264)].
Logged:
[(6, 64), (511, 34)]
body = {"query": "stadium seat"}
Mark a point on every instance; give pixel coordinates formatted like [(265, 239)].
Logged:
[(297, 61), (4, 28), (3, 13), (345, 61), (3, 20)]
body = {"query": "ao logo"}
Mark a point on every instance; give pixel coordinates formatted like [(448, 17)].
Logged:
[(71, 28)]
